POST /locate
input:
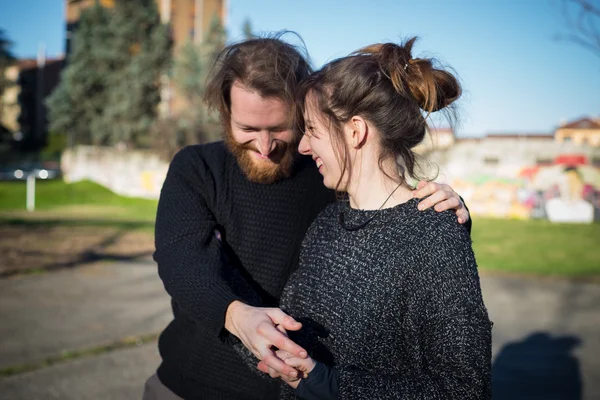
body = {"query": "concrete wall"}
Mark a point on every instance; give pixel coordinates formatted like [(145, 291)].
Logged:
[(505, 178), (519, 178), (135, 173)]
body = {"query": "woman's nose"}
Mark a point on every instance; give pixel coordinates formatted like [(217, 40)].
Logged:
[(304, 146)]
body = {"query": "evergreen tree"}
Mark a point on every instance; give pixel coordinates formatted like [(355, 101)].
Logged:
[(140, 53), (110, 90), (247, 29), (78, 102), (191, 69)]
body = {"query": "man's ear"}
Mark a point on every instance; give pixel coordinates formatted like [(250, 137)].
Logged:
[(358, 131)]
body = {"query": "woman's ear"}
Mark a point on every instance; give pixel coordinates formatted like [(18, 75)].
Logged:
[(357, 132)]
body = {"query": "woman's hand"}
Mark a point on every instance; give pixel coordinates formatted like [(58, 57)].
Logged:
[(441, 197), (303, 365)]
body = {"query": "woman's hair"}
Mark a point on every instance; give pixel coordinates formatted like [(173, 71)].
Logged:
[(387, 87), (269, 66)]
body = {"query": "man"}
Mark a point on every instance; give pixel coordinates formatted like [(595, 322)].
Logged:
[(230, 221)]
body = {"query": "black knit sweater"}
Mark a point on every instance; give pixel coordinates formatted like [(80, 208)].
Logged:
[(394, 307), (262, 227)]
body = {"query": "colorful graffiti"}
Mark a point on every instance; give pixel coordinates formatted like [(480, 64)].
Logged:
[(561, 192)]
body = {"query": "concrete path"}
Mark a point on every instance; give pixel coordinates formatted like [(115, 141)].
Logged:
[(117, 375), (546, 333), (546, 338), (46, 314)]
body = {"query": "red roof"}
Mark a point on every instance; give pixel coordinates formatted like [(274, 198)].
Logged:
[(583, 123), (29, 63)]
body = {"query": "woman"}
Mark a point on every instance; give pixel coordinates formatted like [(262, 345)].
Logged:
[(389, 296)]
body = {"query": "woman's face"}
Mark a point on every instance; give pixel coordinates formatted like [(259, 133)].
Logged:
[(317, 143)]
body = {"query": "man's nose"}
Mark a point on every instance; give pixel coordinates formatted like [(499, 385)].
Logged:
[(265, 143)]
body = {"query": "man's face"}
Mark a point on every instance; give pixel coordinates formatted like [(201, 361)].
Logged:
[(260, 135)]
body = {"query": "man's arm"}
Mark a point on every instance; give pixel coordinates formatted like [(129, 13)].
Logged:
[(188, 254)]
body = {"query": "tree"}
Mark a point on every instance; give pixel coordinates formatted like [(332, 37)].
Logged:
[(191, 68), (77, 104), (247, 29), (582, 23), (141, 53), (110, 90), (7, 59)]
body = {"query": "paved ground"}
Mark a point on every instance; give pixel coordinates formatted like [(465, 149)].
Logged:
[(44, 314), (546, 333), (546, 338), (118, 375)]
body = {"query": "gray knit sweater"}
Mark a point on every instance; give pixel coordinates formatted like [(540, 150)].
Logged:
[(395, 307)]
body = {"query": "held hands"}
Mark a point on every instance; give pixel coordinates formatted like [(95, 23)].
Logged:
[(443, 197), (260, 329), (303, 365)]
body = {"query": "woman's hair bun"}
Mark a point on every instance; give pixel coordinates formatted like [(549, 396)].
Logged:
[(432, 88)]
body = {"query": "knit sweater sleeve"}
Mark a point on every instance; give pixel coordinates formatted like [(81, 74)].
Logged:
[(188, 253), (455, 331)]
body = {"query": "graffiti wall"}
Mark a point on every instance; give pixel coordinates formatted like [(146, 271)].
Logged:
[(561, 192)]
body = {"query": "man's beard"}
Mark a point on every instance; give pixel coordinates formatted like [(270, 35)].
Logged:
[(279, 165)]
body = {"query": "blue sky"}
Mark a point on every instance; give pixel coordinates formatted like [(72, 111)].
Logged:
[(516, 76)]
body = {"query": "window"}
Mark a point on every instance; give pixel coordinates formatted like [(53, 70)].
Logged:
[(543, 161)]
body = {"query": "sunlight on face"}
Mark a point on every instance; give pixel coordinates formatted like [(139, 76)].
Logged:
[(260, 135), (317, 142)]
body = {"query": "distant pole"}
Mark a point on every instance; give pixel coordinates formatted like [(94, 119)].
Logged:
[(39, 98), (31, 192)]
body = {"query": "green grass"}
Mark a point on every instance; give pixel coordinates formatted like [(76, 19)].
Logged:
[(80, 200), (524, 247), (537, 247)]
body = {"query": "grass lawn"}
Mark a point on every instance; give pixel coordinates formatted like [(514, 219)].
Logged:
[(525, 247), (537, 247), (77, 201), (73, 224)]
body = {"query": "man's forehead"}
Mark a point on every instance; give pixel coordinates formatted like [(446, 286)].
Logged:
[(250, 109), (238, 89)]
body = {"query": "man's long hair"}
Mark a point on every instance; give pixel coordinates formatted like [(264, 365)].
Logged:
[(269, 66)]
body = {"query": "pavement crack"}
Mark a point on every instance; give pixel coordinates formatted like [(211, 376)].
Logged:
[(71, 355)]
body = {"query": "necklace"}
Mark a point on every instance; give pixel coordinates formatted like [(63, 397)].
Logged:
[(363, 224)]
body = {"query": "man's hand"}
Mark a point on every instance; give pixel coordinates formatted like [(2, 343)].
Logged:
[(303, 365), (260, 329), (443, 197)]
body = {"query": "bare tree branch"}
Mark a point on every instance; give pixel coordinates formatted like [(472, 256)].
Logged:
[(582, 21)]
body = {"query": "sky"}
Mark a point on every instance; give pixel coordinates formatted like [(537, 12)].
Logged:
[(516, 76)]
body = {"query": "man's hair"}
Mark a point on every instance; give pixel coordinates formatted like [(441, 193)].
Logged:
[(269, 66)]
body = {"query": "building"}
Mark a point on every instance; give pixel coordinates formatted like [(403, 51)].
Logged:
[(10, 108), (584, 131), (189, 20), (26, 116), (436, 139)]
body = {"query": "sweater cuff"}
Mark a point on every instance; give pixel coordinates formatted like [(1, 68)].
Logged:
[(219, 306), (322, 384)]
